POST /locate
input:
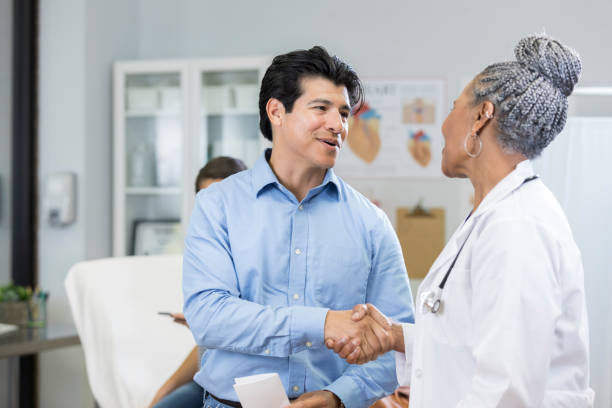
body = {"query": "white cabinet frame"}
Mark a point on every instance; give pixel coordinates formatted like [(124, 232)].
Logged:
[(194, 146)]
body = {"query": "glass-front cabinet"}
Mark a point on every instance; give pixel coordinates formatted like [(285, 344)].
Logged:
[(170, 118)]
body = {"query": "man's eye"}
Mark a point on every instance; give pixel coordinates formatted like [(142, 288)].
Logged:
[(322, 108), (345, 115)]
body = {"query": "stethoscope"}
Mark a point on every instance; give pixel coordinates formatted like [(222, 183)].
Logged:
[(432, 300)]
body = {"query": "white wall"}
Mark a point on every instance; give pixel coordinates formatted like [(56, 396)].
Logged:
[(62, 138), (445, 39), (452, 40), (6, 61), (79, 40)]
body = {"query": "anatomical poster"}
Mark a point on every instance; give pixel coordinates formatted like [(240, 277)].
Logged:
[(396, 132)]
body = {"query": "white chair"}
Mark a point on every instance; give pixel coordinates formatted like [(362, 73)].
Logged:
[(130, 350)]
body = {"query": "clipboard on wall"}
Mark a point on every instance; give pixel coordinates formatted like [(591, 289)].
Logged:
[(421, 235)]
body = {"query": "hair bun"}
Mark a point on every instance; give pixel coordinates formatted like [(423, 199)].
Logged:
[(559, 64)]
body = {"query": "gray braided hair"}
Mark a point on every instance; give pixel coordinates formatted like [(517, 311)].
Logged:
[(530, 94)]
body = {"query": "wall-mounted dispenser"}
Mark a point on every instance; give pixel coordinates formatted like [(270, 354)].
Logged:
[(59, 199)]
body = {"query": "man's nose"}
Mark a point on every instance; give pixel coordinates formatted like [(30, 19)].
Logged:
[(335, 122)]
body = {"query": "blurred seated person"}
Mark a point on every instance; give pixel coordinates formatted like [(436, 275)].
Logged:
[(180, 390)]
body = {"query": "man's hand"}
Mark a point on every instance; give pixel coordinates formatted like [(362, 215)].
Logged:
[(365, 337), (317, 399), (351, 351)]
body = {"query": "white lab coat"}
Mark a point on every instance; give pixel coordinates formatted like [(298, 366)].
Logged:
[(512, 331)]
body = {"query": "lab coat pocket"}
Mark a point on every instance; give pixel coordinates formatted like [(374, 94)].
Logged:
[(453, 323), (340, 276)]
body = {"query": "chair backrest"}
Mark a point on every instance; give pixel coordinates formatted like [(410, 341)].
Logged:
[(130, 350)]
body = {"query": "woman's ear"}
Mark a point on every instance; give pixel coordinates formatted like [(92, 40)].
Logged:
[(485, 114), (276, 111), (488, 109)]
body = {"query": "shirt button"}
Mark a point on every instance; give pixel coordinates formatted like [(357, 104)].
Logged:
[(296, 296), (267, 351), (300, 207), (308, 344), (296, 388), (298, 251), (418, 373)]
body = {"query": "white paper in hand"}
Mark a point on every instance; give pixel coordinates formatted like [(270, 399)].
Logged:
[(261, 391)]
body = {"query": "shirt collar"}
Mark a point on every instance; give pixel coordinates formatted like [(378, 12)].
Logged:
[(332, 180), (263, 176)]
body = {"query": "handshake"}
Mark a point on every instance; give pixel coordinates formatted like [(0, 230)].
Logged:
[(362, 334)]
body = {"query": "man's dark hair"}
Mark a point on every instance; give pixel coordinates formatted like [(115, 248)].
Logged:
[(283, 77), (219, 168)]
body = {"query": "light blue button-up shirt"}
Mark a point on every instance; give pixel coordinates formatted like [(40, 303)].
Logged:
[(261, 270)]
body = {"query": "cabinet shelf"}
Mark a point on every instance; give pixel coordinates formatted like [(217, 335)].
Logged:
[(232, 112), (153, 114), (153, 190)]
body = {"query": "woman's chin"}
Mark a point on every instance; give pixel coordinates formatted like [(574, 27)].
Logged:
[(445, 169), (452, 172)]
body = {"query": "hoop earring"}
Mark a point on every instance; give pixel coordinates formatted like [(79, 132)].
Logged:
[(472, 155)]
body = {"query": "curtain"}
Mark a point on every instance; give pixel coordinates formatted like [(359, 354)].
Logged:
[(577, 167)]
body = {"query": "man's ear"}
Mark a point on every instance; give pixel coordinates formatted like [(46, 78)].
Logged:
[(276, 111), (485, 114)]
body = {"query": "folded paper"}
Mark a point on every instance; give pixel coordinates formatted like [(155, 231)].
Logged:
[(261, 391)]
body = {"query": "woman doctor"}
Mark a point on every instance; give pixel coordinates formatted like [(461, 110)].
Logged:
[(501, 318)]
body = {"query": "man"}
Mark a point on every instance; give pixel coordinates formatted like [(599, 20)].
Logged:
[(276, 256)]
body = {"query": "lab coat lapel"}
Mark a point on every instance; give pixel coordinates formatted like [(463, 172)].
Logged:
[(508, 184), (441, 264)]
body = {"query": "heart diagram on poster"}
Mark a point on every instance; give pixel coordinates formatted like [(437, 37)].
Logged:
[(396, 131), (419, 147), (364, 133)]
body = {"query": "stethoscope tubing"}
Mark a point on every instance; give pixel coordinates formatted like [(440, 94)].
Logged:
[(435, 306)]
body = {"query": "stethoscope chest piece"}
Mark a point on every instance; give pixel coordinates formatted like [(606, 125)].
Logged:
[(431, 301)]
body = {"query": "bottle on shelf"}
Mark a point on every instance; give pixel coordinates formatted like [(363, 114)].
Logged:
[(142, 167)]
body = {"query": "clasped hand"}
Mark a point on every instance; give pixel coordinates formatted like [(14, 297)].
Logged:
[(359, 335)]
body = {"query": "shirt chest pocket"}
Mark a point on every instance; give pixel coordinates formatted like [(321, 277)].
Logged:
[(340, 276)]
